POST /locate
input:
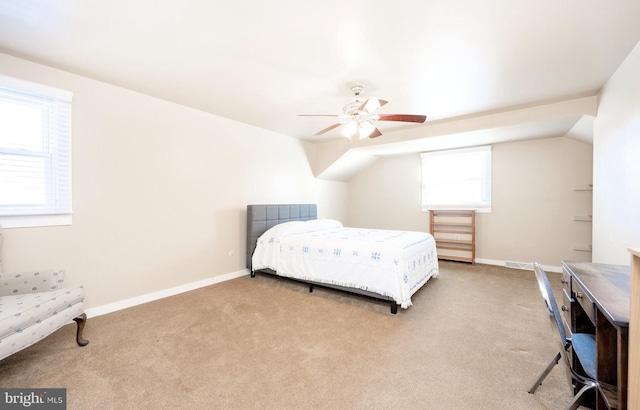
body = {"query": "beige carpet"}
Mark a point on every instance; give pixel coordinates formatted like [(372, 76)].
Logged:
[(475, 338)]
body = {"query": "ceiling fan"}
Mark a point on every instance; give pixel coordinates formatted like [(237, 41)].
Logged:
[(358, 117)]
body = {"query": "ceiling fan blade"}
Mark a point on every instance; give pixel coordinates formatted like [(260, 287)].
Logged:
[(328, 128), (376, 133), (372, 104), (402, 117)]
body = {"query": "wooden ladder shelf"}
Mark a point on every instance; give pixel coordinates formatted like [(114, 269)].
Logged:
[(455, 234)]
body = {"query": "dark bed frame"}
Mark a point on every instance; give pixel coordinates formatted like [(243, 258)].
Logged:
[(262, 217)]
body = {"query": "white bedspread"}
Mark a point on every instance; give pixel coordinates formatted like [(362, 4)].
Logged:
[(391, 263)]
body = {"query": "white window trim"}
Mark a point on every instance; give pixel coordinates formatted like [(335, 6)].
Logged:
[(477, 208), (34, 88), (20, 221)]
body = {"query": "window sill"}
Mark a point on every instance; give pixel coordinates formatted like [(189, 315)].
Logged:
[(30, 221), (453, 208)]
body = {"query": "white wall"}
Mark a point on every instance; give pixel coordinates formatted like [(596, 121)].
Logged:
[(533, 201), (386, 195), (616, 167), (159, 191), (332, 200)]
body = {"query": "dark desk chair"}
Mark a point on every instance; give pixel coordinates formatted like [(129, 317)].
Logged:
[(584, 346)]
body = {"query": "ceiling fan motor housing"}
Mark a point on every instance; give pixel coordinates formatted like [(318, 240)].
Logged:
[(352, 107)]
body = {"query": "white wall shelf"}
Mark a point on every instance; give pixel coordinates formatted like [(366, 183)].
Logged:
[(583, 218)]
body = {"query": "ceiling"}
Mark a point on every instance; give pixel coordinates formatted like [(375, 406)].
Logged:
[(261, 63)]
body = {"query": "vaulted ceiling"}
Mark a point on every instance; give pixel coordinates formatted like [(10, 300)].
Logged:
[(482, 71)]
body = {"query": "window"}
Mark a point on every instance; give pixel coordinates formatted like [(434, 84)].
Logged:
[(35, 154), (457, 179)]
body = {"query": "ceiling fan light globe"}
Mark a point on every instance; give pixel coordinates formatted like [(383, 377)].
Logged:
[(365, 129), (350, 129)]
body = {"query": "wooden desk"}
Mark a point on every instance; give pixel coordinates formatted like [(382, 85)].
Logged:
[(600, 303)]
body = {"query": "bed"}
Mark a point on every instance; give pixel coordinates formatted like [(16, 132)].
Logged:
[(288, 240)]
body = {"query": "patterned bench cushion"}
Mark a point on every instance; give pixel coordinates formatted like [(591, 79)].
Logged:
[(17, 312)]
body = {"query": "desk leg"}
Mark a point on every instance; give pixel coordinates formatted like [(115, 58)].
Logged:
[(608, 364), (623, 363)]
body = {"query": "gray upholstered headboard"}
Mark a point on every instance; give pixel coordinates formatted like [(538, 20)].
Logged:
[(262, 217)]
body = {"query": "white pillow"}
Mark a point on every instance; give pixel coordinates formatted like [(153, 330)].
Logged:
[(314, 225), (278, 231)]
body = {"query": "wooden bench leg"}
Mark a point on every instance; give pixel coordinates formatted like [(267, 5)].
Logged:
[(81, 320)]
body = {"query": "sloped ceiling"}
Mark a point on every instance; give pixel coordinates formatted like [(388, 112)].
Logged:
[(261, 63), (571, 118)]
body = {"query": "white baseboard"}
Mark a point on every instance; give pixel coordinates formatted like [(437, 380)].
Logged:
[(525, 265), (138, 300)]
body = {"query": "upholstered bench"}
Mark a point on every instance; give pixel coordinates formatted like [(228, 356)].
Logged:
[(35, 304)]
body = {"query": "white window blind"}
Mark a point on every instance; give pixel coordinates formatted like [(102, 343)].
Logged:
[(457, 179), (35, 151)]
